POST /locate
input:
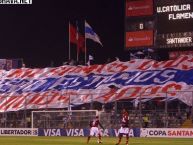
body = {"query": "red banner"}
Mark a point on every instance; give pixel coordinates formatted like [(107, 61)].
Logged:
[(139, 38), (139, 8), (176, 54)]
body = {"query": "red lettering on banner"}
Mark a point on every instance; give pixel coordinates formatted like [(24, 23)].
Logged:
[(169, 133), (9, 102), (108, 95), (77, 69), (45, 98), (63, 71), (111, 67), (64, 99), (121, 67), (180, 133), (16, 73), (191, 133), (186, 65), (90, 69), (132, 92), (85, 98), (158, 64), (171, 86), (21, 73), (145, 65), (55, 71), (33, 99), (100, 68), (142, 91), (182, 61), (26, 73), (59, 71), (151, 90), (30, 73), (20, 102), (116, 67), (174, 63), (168, 64), (34, 73)]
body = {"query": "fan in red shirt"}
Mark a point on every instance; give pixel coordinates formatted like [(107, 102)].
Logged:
[(124, 130), (94, 130)]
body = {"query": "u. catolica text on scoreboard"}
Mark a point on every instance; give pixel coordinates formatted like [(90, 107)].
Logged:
[(177, 12)]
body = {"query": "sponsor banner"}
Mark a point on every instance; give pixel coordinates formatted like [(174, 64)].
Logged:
[(84, 132), (18, 132), (139, 8), (176, 54), (167, 132), (139, 39), (133, 132), (51, 132), (175, 40)]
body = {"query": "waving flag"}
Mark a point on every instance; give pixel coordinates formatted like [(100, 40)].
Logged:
[(73, 34), (90, 34)]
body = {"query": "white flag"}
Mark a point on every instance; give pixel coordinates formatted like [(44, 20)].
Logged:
[(90, 34)]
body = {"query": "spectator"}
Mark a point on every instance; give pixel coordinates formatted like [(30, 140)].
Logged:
[(188, 112), (136, 103), (146, 121)]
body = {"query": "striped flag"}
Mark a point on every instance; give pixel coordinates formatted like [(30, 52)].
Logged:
[(90, 34)]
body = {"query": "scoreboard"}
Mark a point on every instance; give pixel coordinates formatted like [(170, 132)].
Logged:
[(174, 23), (138, 26), (158, 23)]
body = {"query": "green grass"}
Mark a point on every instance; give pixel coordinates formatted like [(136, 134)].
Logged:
[(82, 141)]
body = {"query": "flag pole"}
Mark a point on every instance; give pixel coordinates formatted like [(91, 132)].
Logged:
[(77, 41), (85, 57), (69, 52)]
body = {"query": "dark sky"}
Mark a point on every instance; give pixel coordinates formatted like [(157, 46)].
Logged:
[(38, 33)]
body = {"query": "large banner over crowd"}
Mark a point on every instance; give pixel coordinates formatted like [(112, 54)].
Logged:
[(53, 87)]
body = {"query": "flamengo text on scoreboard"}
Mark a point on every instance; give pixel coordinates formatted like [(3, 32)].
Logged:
[(15, 1), (179, 16), (177, 8)]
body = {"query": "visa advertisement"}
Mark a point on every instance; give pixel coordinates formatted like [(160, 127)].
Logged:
[(135, 132)]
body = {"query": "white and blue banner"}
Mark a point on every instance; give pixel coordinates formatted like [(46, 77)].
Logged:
[(51, 87)]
